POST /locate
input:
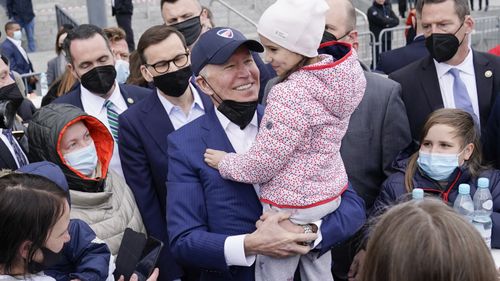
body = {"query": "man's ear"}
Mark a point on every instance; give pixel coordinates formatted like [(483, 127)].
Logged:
[(72, 70), (469, 24), (202, 83), (354, 37), (146, 74)]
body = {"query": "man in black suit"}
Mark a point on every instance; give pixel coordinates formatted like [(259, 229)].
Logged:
[(453, 75), (12, 155), (123, 10), (393, 60), (91, 61)]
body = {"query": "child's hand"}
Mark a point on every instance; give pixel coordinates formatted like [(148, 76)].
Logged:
[(213, 157)]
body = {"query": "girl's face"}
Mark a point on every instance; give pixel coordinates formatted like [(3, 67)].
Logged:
[(281, 59), (442, 139), (58, 235)]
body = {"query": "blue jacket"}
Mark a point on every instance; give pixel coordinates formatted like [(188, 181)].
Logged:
[(393, 60), (143, 152), (17, 62), (83, 257), (203, 209), (394, 191)]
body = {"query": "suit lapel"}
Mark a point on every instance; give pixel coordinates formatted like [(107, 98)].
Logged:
[(430, 84), (484, 85), (7, 157), (153, 113), (215, 137)]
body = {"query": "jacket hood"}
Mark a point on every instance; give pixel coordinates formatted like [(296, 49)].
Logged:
[(45, 133), (339, 76)]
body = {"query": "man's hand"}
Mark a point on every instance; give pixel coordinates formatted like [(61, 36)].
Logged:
[(213, 157), (286, 224), (134, 277), (356, 266), (272, 239)]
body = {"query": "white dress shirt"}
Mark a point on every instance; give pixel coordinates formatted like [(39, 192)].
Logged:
[(94, 106), (18, 45), (242, 140), (175, 113), (467, 75)]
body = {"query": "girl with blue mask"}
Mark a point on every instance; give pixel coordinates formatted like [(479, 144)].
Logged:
[(449, 154)]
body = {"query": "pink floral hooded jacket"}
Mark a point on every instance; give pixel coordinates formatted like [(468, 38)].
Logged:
[(296, 155)]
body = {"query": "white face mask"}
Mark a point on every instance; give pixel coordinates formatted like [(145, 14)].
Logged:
[(83, 160), (122, 70), (18, 35)]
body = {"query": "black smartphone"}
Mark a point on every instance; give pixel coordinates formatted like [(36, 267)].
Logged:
[(148, 259)]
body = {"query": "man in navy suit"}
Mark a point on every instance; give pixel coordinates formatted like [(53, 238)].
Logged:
[(91, 62), (21, 11), (453, 75), (16, 54), (211, 221), (144, 129), (393, 60)]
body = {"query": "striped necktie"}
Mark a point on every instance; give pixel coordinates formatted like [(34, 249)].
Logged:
[(112, 119), (21, 159)]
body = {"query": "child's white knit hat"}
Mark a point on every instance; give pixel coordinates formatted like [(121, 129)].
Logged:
[(296, 25)]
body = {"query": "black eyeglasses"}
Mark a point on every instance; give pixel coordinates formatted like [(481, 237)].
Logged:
[(163, 66)]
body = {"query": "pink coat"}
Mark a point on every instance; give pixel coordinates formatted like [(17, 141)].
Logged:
[(296, 155)]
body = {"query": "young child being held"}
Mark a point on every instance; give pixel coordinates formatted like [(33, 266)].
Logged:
[(296, 156)]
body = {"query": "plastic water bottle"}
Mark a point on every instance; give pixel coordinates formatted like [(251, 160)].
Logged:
[(463, 204), (483, 206), (43, 84), (417, 194)]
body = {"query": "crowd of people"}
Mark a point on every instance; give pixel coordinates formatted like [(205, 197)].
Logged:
[(284, 158)]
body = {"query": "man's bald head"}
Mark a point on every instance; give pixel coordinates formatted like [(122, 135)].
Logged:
[(341, 21)]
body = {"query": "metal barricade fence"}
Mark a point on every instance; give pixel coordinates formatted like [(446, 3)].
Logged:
[(366, 48), (25, 78), (398, 37), (486, 33)]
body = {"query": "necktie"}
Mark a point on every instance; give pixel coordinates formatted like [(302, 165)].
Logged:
[(462, 99), (112, 119), (21, 159)]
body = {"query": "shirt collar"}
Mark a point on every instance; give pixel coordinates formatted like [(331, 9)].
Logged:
[(170, 106), (96, 103), (16, 42), (467, 66), (226, 123)]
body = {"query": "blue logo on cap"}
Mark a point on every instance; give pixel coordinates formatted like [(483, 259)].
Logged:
[(226, 33)]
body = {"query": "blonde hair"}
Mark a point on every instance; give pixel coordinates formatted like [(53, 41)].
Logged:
[(426, 240), (465, 129)]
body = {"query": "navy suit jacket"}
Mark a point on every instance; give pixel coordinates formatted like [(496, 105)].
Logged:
[(398, 58), (130, 93), (203, 209), (143, 152), (16, 59), (422, 95)]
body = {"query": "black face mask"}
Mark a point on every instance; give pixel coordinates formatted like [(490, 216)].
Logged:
[(49, 259), (10, 100), (191, 29), (327, 37), (100, 79), (443, 46), (240, 113), (175, 83)]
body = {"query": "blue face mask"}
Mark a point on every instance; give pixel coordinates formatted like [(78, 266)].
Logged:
[(438, 166), (122, 70), (83, 160)]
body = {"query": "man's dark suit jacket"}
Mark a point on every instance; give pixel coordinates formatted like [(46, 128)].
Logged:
[(130, 93), (20, 9), (143, 152), (398, 58), (422, 94), (203, 209), (17, 62)]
